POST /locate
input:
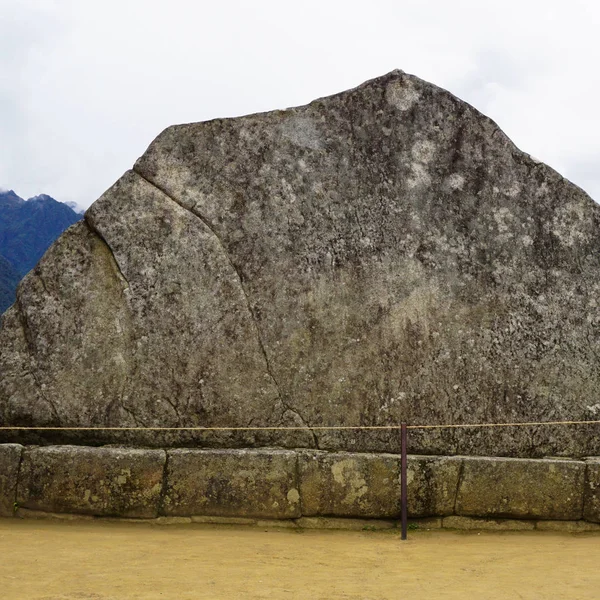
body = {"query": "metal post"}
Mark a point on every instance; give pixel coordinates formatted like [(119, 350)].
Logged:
[(403, 486)]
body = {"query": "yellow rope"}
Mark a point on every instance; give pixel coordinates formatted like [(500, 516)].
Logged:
[(529, 424), (316, 427)]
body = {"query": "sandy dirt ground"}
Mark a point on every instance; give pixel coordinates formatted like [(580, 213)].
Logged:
[(107, 560)]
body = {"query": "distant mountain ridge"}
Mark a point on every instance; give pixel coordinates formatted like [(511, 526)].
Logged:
[(27, 229)]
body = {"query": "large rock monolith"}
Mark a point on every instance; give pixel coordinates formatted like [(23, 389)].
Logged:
[(385, 254)]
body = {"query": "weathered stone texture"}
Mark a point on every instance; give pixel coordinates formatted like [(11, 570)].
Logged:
[(349, 485), (527, 489), (26, 513), (240, 483), (591, 500), (568, 526), (382, 255), (368, 485), (10, 457), (275, 487), (212, 520), (473, 523), (432, 485), (93, 481), (348, 524), (423, 523)]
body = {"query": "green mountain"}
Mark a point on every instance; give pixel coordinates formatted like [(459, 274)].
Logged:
[(9, 278), (27, 229)]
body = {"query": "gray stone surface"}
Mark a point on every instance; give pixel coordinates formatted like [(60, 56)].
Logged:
[(349, 484), (384, 254), (237, 483), (568, 526), (26, 513), (278, 523), (368, 485), (591, 501), (211, 520), (349, 524), (423, 523), (432, 485), (473, 523), (93, 481), (526, 489), (10, 457)]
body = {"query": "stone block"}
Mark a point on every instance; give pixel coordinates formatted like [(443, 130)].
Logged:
[(423, 524), (473, 523), (232, 483), (277, 523), (173, 521), (10, 457), (591, 501), (368, 485), (211, 520), (348, 524), (94, 481), (24, 513), (568, 526), (349, 485), (432, 484), (521, 488)]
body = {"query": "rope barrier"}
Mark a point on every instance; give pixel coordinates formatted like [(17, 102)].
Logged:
[(304, 428), (528, 424)]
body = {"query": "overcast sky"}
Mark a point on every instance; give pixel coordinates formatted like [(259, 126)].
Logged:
[(86, 85)]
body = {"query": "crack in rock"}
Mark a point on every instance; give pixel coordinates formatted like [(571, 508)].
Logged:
[(138, 422), (175, 410), (461, 471), (164, 485), (246, 297), (120, 275)]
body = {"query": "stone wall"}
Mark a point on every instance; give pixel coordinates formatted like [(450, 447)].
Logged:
[(296, 487)]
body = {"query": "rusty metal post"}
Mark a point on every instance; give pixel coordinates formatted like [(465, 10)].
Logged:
[(403, 482)]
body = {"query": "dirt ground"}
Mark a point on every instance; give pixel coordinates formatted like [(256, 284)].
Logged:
[(107, 560)]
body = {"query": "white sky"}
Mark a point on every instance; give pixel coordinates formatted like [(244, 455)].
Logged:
[(85, 85)]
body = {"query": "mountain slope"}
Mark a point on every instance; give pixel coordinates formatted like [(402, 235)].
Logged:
[(9, 279), (28, 228)]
